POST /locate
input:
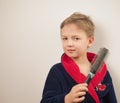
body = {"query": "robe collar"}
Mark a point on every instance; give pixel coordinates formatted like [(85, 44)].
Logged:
[(73, 70)]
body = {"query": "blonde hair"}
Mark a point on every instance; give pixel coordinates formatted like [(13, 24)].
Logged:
[(81, 21)]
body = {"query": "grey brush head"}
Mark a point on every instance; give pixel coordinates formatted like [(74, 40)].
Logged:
[(98, 59)]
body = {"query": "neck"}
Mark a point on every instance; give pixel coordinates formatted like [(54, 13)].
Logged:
[(81, 60), (84, 64)]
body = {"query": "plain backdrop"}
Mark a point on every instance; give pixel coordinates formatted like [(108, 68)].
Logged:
[(30, 42)]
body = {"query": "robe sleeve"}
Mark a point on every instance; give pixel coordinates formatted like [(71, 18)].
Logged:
[(52, 92), (110, 96)]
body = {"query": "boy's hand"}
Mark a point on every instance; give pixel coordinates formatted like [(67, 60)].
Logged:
[(77, 93)]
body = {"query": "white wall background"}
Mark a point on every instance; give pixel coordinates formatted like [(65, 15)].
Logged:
[(30, 42)]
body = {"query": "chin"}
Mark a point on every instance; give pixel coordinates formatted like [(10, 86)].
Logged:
[(72, 55)]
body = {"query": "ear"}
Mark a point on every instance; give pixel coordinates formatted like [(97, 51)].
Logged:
[(90, 41)]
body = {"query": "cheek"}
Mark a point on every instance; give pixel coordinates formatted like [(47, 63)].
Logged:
[(63, 46), (79, 45), (82, 45)]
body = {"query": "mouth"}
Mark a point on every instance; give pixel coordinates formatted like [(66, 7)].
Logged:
[(70, 50)]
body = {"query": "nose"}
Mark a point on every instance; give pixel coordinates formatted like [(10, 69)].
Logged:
[(70, 43)]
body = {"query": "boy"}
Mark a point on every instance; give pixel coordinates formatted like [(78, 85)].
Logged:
[(65, 81)]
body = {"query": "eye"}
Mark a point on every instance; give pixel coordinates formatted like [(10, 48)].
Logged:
[(64, 38), (76, 38)]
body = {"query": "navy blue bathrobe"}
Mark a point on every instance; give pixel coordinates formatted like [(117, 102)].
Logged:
[(59, 83)]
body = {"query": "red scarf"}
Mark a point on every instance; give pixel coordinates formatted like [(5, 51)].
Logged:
[(73, 70)]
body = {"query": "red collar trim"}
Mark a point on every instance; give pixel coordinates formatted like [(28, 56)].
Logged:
[(72, 69)]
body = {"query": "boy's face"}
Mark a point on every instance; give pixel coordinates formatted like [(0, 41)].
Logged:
[(75, 41)]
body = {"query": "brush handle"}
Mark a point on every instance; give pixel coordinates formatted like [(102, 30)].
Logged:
[(89, 77)]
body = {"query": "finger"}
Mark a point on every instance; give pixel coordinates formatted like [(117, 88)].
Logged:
[(79, 99), (81, 85), (81, 88), (80, 94)]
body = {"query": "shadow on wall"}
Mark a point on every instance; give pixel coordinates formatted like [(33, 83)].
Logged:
[(100, 41), (99, 38)]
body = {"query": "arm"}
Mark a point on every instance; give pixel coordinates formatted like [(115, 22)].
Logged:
[(110, 96), (52, 90)]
